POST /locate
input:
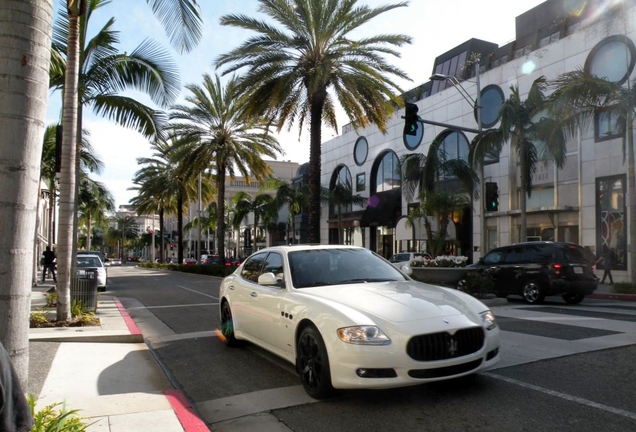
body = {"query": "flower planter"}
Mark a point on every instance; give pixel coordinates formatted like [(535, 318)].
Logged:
[(440, 275)]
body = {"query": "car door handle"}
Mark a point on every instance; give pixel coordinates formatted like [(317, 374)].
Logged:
[(253, 294), (231, 287)]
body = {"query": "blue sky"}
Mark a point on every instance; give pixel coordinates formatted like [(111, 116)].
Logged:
[(435, 26)]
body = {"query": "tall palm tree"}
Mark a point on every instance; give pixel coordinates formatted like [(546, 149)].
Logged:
[(294, 198), (245, 204), (533, 140), (341, 197), (428, 178), (215, 133), (94, 201), (126, 228), (93, 76), (25, 39), (296, 68), (578, 96)]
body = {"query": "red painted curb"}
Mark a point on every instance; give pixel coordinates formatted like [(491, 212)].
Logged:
[(130, 323), (186, 415)]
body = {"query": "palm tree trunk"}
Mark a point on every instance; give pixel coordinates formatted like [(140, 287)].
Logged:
[(180, 228), (161, 242), (67, 175), (523, 223), (88, 232), (313, 223), (25, 43), (220, 215)]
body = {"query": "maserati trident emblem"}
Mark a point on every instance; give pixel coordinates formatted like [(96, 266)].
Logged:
[(452, 347)]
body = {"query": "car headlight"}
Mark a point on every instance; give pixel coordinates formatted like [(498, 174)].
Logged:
[(363, 335), (488, 320)]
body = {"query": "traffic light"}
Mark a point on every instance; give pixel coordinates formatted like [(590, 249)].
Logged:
[(171, 246), (411, 119), (492, 196)]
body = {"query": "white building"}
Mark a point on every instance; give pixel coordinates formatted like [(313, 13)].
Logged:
[(555, 37)]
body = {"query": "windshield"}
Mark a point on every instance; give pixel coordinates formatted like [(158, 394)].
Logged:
[(88, 261), (318, 267)]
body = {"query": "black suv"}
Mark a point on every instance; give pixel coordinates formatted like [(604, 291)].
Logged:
[(535, 270)]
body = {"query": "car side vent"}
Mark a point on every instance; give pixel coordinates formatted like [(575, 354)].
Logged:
[(442, 346)]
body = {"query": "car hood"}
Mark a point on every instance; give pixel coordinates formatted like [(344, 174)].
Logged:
[(398, 301)]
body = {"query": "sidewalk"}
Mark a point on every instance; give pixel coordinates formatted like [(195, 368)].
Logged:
[(107, 373)]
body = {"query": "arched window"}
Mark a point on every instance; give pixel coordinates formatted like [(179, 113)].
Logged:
[(454, 145), (386, 174), (341, 176)]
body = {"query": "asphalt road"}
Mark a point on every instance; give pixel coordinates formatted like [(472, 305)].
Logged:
[(563, 368)]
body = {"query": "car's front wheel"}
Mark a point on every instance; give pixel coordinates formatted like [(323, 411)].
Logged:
[(573, 298), (313, 364), (532, 293), (227, 326)]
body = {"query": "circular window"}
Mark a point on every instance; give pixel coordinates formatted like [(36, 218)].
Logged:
[(612, 59), (412, 142), (492, 98), (360, 151)]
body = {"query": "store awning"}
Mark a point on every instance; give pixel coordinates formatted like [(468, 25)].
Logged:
[(383, 208)]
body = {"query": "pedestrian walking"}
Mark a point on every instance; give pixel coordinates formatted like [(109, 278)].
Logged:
[(49, 263), (15, 413), (608, 258)]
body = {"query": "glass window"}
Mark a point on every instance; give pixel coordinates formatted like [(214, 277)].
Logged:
[(612, 59), (388, 173), (360, 151), (360, 182), (612, 223), (606, 125), (342, 176), (412, 142), (454, 146), (492, 98), (493, 257), (252, 267)]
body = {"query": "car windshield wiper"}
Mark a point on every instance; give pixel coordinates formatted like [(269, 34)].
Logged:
[(366, 280), (317, 283)]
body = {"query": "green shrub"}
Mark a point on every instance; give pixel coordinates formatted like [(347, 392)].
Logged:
[(624, 288), (477, 283), (38, 319), (50, 419)]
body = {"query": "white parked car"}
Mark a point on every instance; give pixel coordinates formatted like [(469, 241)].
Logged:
[(403, 258), (87, 263), (348, 319)]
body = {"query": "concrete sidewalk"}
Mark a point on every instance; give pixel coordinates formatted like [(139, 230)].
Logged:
[(107, 373)]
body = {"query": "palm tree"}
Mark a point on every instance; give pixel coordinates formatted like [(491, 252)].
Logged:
[(245, 204), (292, 67), (94, 75), (287, 195), (342, 198), (216, 134), (578, 97), (532, 140), (94, 201), (429, 178), (126, 229)]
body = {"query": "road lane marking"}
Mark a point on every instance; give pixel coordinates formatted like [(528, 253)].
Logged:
[(198, 292), (564, 396)]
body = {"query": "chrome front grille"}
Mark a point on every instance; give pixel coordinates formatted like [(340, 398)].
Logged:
[(442, 346)]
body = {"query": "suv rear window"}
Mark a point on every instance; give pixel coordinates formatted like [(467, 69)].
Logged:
[(574, 253)]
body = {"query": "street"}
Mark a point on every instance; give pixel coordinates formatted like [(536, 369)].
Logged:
[(563, 367)]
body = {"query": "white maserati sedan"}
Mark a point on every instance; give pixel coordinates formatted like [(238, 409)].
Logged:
[(346, 318)]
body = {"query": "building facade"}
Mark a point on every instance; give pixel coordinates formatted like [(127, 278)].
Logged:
[(584, 202)]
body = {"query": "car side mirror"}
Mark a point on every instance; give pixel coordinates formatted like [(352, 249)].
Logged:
[(267, 279), (406, 269)]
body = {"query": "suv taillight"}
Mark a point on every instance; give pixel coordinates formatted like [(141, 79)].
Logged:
[(556, 267)]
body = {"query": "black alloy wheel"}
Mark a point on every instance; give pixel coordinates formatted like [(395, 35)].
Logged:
[(227, 326), (532, 293), (313, 364), (573, 298)]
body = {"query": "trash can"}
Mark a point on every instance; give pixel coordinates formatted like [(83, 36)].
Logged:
[(84, 288)]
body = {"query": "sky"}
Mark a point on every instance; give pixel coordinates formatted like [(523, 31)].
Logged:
[(435, 26)]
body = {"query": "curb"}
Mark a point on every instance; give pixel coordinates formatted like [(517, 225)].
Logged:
[(623, 297)]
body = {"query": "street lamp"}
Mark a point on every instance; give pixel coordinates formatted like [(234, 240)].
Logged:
[(476, 104)]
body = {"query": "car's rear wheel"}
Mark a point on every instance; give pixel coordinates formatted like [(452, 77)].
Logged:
[(573, 298), (532, 293), (313, 364), (227, 326)]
